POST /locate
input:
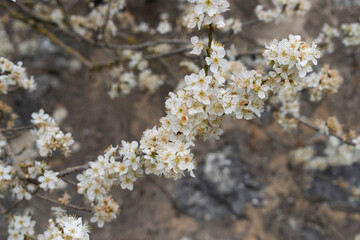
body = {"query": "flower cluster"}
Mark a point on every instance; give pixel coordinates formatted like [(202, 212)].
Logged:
[(232, 24), (48, 135), (20, 193), (118, 166), (289, 99), (189, 66), (66, 227), (20, 227), (332, 125), (216, 59), (101, 17), (149, 81), (326, 81), (103, 20), (14, 75), (324, 39), (139, 75), (283, 9), (342, 149), (224, 87), (49, 180), (291, 58), (207, 12), (105, 211), (352, 33), (36, 168), (126, 82), (164, 25), (6, 174), (193, 111), (356, 141), (335, 154)]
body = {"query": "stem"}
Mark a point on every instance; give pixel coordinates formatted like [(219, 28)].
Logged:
[(72, 169), (208, 50), (15, 205), (314, 127), (16, 129), (61, 204)]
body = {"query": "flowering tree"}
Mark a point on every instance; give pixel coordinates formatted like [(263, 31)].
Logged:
[(218, 86)]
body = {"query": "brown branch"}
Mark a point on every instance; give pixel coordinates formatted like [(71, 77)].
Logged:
[(61, 204), (144, 45), (314, 127), (250, 23), (107, 18), (15, 205), (117, 61), (28, 13), (51, 36), (4, 130), (254, 53), (62, 45), (309, 125), (70, 170), (66, 16)]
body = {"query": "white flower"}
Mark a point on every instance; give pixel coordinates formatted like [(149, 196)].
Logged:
[(198, 45), (216, 59), (15, 76), (20, 192), (36, 169), (291, 58), (352, 34), (48, 136), (96, 192), (2, 145), (105, 211), (49, 180), (73, 228), (198, 82), (5, 172), (283, 9), (164, 27), (20, 226), (356, 141), (193, 20)]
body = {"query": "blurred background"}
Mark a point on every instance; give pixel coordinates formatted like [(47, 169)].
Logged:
[(245, 186)]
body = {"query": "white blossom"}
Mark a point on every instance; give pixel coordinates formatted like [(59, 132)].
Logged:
[(49, 180)]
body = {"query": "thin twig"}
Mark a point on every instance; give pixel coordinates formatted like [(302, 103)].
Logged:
[(4, 130), (309, 125), (52, 37), (61, 44), (72, 170), (66, 16), (107, 18), (313, 127), (61, 204), (250, 23), (117, 61), (15, 205)]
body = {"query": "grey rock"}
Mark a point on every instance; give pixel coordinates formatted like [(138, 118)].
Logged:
[(323, 187), (223, 187), (47, 82), (347, 3), (311, 234)]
